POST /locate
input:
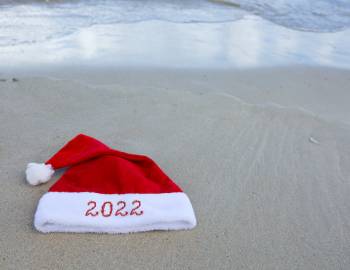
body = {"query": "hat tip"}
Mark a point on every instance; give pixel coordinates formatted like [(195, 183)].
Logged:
[(38, 173)]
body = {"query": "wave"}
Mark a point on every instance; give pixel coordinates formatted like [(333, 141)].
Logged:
[(37, 21), (305, 15)]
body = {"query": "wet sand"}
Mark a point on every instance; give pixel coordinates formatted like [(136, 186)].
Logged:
[(269, 183)]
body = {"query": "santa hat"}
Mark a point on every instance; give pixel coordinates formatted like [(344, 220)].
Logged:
[(105, 190)]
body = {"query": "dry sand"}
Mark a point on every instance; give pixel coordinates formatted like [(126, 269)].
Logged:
[(270, 185)]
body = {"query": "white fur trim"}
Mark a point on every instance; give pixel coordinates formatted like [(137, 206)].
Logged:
[(66, 212), (37, 173)]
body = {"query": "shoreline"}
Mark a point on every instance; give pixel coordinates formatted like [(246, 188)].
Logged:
[(251, 42)]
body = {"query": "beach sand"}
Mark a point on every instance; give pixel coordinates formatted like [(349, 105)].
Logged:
[(263, 155)]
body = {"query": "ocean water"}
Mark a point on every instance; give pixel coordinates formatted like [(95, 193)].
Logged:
[(23, 21)]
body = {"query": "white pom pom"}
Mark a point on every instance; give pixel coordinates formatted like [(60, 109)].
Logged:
[(38, 173)]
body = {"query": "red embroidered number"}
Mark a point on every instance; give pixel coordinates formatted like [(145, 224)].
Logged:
[(119, 211), (138, 205), (107, 209), (107, 213), (89, 211)]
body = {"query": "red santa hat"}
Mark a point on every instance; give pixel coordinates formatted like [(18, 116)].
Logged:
[(105, 190)]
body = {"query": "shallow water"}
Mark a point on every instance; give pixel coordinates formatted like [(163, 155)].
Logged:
[(37, 21), (197, 33)]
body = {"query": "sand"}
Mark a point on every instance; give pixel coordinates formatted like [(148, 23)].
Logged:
[(270, 183)]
